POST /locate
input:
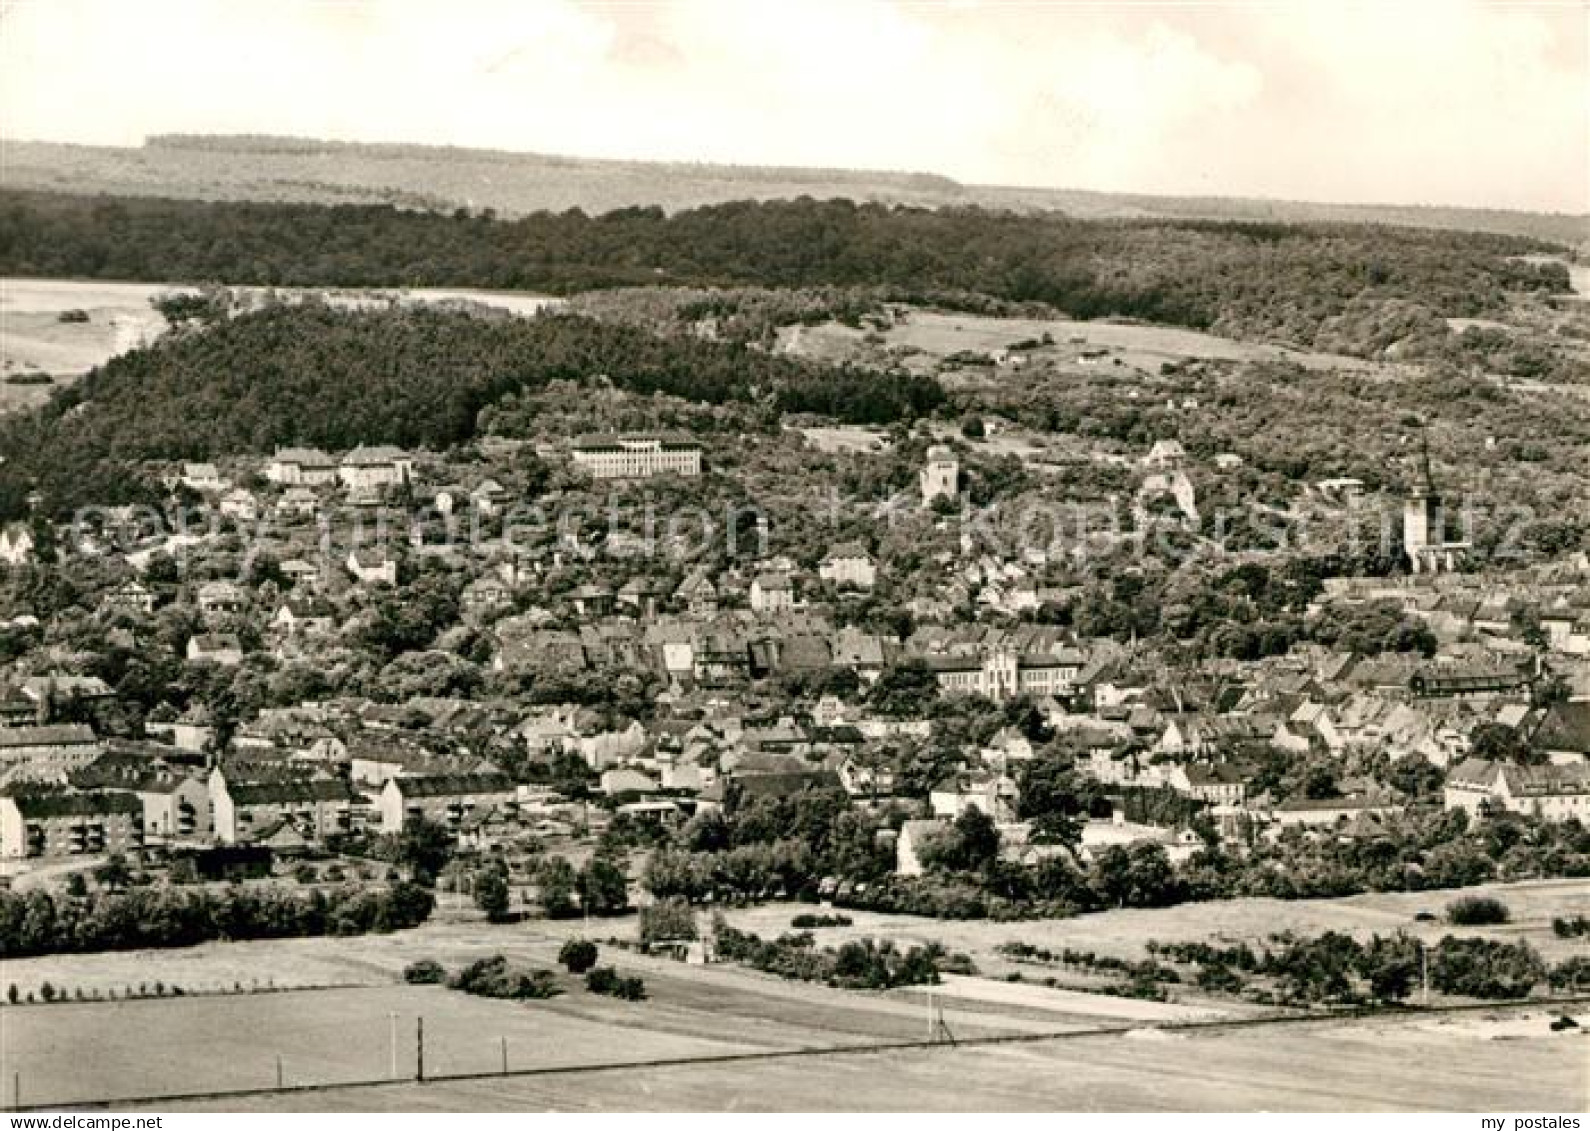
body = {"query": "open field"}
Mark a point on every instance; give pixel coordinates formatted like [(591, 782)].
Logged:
[(939, 334), (82, 1051), (1303, 1067), (1123, 933), (34, 339), (67, 1053)]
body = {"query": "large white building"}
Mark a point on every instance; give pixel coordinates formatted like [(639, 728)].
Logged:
[(1007, 674), (637, 457), (1554, 793)]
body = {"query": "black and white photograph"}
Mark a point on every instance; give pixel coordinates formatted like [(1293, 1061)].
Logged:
[(900, 557)]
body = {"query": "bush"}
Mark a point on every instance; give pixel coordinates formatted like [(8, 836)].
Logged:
[(1485, 968), (608, 981), (496, 977), (807, 921), (578, 955), (1570, 928), (425, 972), (1477, 911)]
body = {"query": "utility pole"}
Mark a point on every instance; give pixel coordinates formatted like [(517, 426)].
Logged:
[(278, 1073), (419, 1057), (505, 1056), (1424, 971), (392, 1042)]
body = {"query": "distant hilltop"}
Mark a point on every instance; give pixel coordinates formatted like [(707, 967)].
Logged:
[(445, 178)]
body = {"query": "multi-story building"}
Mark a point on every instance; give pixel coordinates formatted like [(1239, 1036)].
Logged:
[(1006, 674), (448, 800), (45, 753), (70, 823), (1552, 792), (849, 564), (301, 467), (636, 457)]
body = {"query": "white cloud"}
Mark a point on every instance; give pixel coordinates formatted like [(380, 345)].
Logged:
[(1441, 102)]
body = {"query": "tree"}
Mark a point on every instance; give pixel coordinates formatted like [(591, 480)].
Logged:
[(424, 847), (603, 887), (113, 873), (1497, 742), (491, 894), (556, 880), (667, 920), (578, 955)]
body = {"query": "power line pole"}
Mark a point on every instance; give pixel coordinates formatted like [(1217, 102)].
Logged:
[(392, 1042), (419, 1056), (505, 1056)]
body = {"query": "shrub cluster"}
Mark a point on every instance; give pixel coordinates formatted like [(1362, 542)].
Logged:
[(497, 977), (807, 921), (608, 981)]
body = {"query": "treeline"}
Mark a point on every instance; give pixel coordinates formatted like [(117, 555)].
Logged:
[(37, 922), (309, 373), (860, 964), (1274, 280)]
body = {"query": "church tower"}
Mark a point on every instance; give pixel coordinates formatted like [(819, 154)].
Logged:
[(1424, 523)]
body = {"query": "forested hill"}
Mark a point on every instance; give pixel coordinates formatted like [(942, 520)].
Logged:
[(309, 373), (1271, 281), (442, 178)]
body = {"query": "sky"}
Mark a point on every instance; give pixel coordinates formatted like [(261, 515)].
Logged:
[(1397, 101)]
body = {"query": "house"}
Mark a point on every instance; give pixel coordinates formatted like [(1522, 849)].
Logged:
[(636, 457), (298, 502), (1166, 455), (372, 567), (849, 564), (202, 477), (908, 848), (220, 598), (1327, 811), (940, 478), (373, 469), (1551, 792), (16, 544), (223, 648), (45, 753), (995, 794), (1222, 785), (591, 600), (626, 779), (302, 574), (1564, 732), (448, 800), (131, 597), (485, 594), (301, 467), (772, 593), (302, 618), (318, 807), (240, 505), (489, 497), (59, 823), (698, 594), (640, 595)]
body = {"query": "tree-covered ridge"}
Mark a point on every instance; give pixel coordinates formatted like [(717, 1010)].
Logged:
[(310, 373), (1266, 280)]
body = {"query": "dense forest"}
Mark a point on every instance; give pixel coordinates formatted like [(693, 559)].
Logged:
[(1274, 281), (310, 373)]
